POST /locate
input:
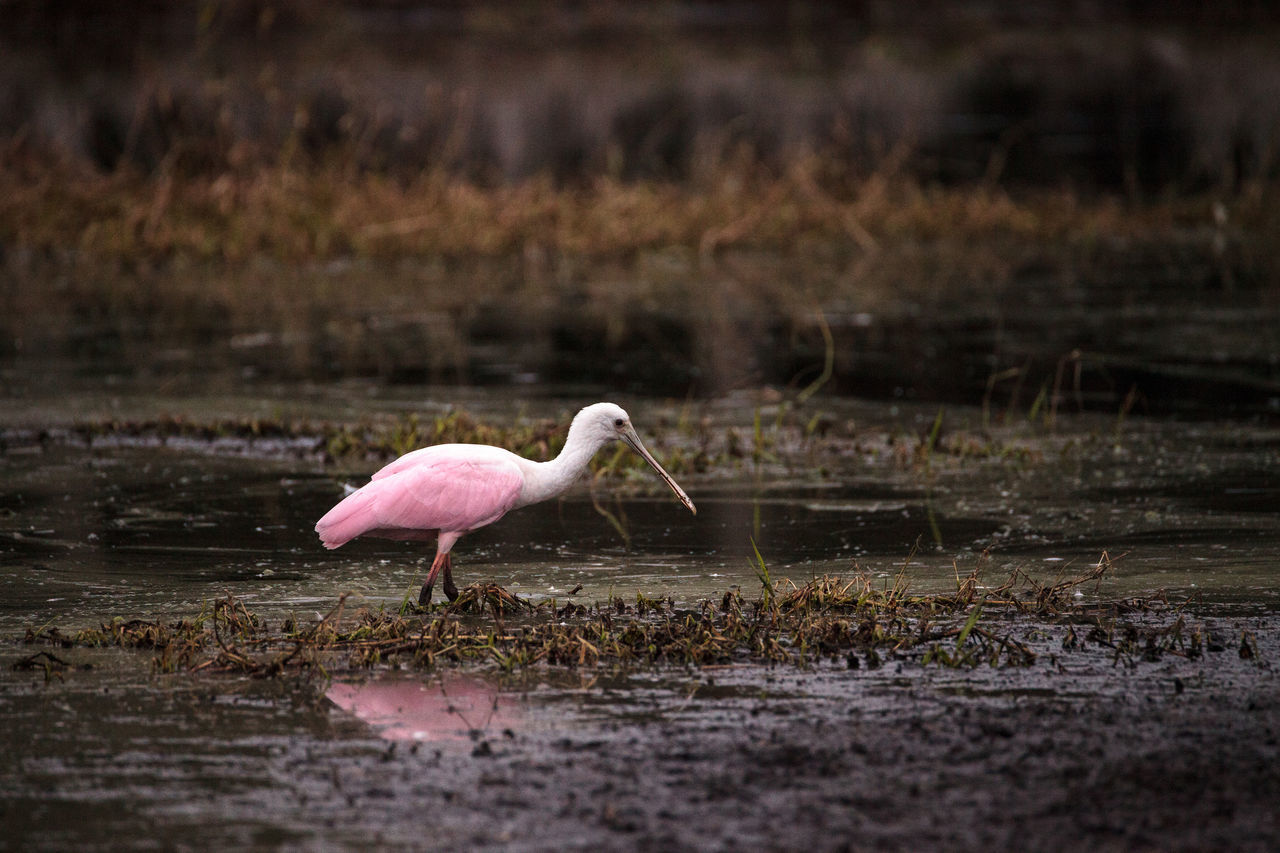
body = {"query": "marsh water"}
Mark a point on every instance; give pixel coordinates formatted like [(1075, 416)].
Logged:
[(147, 526), (109, 755)]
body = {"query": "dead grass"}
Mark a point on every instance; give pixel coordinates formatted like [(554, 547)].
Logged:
[(322, 213), (855, 620), (328, 257), (340, 271)]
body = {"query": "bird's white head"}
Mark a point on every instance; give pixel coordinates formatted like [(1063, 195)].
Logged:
[(601, 423)]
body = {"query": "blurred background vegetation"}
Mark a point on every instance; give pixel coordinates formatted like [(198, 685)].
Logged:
[(940, 200)]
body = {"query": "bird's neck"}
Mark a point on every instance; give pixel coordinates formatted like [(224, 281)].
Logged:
[(553, 478)]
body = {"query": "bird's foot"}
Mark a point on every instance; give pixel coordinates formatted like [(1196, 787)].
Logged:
[(450, 591), (424, 597)]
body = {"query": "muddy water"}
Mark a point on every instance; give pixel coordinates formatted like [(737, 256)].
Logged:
[(112, 757)]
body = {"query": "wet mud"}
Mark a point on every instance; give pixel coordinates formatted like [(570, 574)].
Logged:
[(1077, 753)]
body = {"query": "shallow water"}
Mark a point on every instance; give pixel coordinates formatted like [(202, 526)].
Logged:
[(111, 756), (86, 533)]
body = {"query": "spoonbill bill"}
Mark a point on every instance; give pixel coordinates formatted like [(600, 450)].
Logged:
[(447, 490)]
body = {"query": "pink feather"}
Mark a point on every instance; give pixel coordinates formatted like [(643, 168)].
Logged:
[(450, 489)]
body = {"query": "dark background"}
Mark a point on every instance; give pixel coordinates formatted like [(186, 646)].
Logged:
[(1163, 113)]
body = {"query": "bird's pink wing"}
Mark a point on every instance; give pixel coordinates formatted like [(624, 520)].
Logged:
[(410, 459), (443, 491), (449, 493)]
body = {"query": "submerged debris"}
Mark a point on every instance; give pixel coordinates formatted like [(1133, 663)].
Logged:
[(827, 618), (50, 664)]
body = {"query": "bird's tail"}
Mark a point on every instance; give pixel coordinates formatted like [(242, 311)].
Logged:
[(351, 517)]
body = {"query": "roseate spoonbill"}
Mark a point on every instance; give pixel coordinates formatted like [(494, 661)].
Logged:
[(450, 489)]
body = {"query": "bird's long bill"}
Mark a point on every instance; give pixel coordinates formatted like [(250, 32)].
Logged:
[(633, 441)]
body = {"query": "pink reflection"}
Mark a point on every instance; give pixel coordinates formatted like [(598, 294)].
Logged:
[(446, 708)]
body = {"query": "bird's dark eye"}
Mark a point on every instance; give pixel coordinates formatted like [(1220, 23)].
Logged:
[(618, 422)]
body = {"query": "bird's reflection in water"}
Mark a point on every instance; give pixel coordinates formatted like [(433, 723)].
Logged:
[(452, 707)]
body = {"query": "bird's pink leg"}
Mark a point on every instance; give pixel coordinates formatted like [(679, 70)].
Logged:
[(440, 562), (444, 543), (450, 591)]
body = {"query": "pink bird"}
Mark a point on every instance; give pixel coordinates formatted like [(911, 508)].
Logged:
[(451, 489)]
